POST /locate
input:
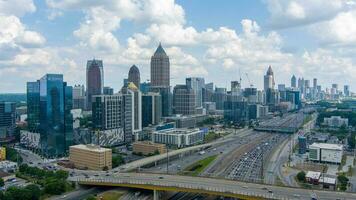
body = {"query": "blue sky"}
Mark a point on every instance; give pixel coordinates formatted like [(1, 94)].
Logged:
[(214, 39)]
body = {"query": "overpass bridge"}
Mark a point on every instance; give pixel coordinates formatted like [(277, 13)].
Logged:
[(276, 129), (211, 186), (175, 153)]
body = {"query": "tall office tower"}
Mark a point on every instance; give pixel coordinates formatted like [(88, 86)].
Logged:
[(307, 84), (335, 86), (95, 80), (7, 121), (208, 92), (33, 106), (281, 87), (78, 97), (235, 88), (236, 111), (151, 109), (136, 95), (269, 79), (160, 79), (109, 116), (220, 96), (346, 90), (293, 82), (52, 118), (145, 87), (197, 85), (160, 68), (108, 90), (134, 76), (315, 83), (183, 100), (251, 95)]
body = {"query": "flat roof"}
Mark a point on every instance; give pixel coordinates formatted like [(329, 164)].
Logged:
[(328, 180), (313, 175), (327, 146), (90, 147)]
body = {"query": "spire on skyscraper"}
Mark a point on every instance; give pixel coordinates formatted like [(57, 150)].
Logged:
[(160, 50)]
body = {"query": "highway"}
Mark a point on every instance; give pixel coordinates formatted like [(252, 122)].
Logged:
[(212, 186)]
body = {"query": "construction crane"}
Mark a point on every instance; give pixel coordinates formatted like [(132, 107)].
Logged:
[(248, 79)]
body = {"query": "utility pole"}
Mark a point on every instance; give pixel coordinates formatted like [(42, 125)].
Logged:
[(167, 156)]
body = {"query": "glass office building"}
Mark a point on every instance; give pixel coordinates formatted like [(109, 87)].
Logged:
[(49, 113)]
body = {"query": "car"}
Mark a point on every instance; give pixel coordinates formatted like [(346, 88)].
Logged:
[(245, 187), (107, 175), (270, 191), (161, 177), (296, 195), (96, 174)]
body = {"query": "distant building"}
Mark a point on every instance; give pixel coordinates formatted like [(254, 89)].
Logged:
[(160, 79), (178, 137), (302, 144), (108, 90), (151, 109), (220, 96), (79, 97), (183, 100), (347, 91), (136, 109), (236, 111), (324, 152), (269, 79), (134, 76), (147, 148), (293, 83), (145, 87), (336, 121), (186, 121), (49, 113), (95, 80), (7, 121), (197, 85), (90, 157)]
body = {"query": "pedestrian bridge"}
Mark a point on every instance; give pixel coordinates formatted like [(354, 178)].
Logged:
[(210, 186)]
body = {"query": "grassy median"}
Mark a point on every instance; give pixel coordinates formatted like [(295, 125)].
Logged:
[(196, 168)]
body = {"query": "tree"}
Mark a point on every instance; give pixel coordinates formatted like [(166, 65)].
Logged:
[(117, 160), (105, 168), (343, 181), (34, 190), (2, 183), (55, 186), (91, 197), (301, 176)]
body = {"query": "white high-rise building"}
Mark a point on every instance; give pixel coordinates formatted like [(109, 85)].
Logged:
[(269, 79), (196, 84)]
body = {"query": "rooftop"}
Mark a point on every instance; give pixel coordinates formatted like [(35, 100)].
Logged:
[(327, 146), (90, 147), (313, 175)]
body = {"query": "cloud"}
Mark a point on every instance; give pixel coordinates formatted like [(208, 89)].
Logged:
[(341, 30), (291, 13), (16, 7)]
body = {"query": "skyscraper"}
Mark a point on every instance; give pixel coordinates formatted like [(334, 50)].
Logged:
[(315, 83), (293, 82), (134, 76), (136, 107), (7, 121), (160, 79), (196, 84), (50, 115), (183, 100), (78, 97), (95, 80), (269, 79), (160, 72), (346, 90), (151, 109)]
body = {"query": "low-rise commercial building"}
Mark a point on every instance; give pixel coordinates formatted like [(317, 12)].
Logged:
[(2, 153), (325, 152), (336, 121), (90, 157), (148, 147), (312, 177), (178, 137)]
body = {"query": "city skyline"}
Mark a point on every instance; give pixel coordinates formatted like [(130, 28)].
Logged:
[(220, 50)]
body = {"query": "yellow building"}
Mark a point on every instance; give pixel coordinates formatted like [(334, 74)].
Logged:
[(2, 153), (90, 157), (148, 147)]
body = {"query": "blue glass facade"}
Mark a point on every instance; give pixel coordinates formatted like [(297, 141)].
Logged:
[(53, 120)]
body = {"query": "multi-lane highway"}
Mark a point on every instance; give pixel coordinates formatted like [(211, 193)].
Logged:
[(209, 186)]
